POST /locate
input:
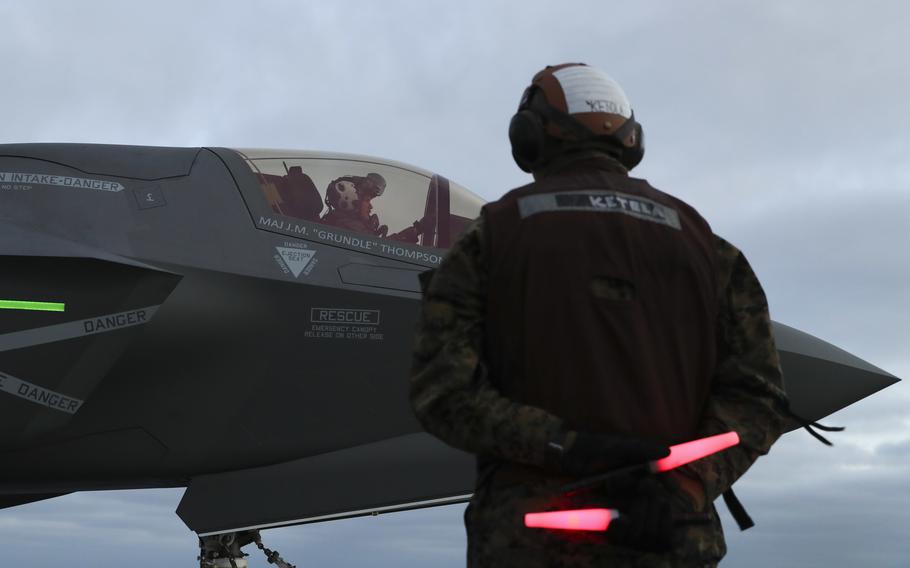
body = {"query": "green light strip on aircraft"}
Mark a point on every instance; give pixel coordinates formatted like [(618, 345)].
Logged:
[(39, 306)]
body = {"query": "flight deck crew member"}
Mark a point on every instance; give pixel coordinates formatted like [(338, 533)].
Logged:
[(587, 321)]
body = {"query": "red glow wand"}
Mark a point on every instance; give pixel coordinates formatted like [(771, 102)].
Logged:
[(577, 520), (680, 454), (599, 519)]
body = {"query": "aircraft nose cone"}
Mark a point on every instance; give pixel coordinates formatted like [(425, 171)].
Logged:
[(820, 378)]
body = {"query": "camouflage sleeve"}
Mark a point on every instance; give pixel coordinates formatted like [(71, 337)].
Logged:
[(449, 390), (747, 392)]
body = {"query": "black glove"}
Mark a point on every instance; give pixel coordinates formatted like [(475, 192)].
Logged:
[(646, 522), (583, 453)]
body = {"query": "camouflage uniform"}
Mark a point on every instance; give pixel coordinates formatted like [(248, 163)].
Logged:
[(456, 401)]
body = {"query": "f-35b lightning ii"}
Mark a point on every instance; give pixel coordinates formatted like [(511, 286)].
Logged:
[(239, 322)]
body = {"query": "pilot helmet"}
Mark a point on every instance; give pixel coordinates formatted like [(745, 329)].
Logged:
[(341, 195)]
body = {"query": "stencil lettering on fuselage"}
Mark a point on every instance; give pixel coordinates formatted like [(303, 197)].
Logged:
[(344, 323), (38, 395), (295, 258), (74, 329), (398, 250), (60, 181)]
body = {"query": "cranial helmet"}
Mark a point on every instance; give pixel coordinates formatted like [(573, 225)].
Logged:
[(571, 106), (373, 185)]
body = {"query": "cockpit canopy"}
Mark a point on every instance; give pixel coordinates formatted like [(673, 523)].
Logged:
[(383, 199)]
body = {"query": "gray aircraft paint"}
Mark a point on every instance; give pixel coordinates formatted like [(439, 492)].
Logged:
[(233, 315)]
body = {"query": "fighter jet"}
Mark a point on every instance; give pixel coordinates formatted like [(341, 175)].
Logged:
[(239, 323)]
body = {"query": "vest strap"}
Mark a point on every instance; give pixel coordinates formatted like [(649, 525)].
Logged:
[(742, 518)]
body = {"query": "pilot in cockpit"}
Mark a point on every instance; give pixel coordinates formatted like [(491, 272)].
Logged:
[(350, 207)]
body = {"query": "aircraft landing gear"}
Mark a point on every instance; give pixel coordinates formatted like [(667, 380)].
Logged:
[(223, 550)]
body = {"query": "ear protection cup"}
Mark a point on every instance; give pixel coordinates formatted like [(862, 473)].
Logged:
[(527, 136), (631, 157), (630, 140)]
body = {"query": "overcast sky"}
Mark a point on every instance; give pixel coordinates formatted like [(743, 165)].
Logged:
[(785, 123)]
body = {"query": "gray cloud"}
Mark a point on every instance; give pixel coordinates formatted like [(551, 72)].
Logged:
[(114, 528), (824, 507), (832, 265)]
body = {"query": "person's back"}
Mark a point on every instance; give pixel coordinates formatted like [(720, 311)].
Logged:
[(584, 323), (601, 288)]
